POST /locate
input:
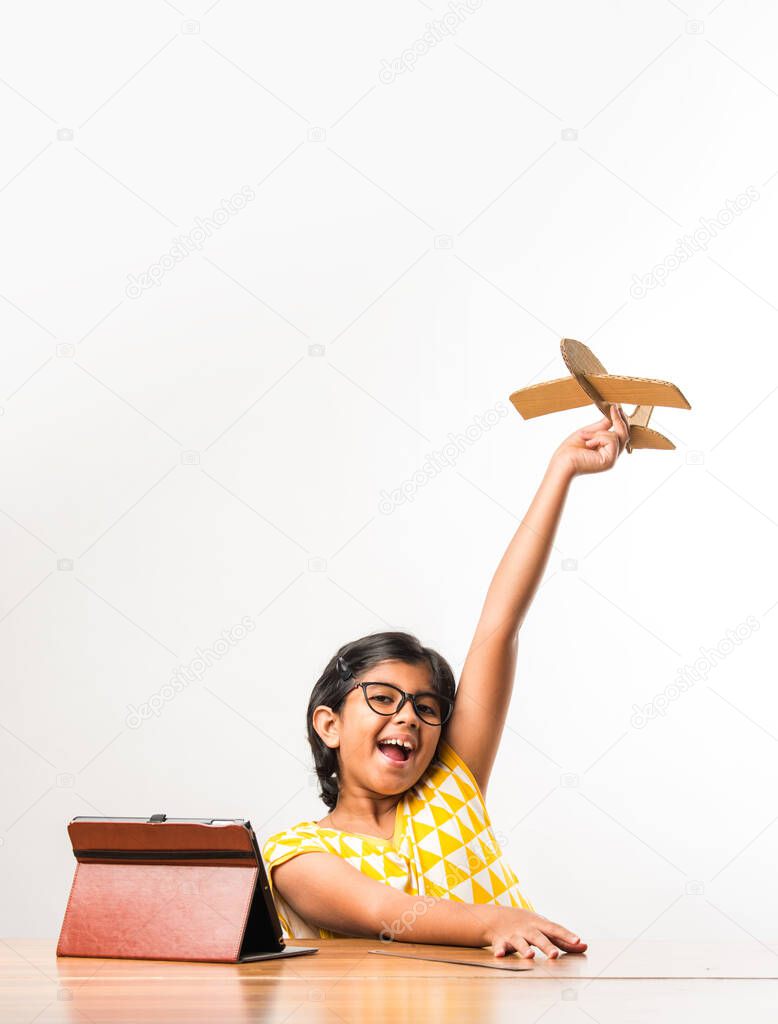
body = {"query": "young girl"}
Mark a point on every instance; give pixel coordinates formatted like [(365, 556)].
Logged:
[(403, 767)]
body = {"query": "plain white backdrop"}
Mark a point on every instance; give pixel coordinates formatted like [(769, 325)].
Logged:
[(262, 264)]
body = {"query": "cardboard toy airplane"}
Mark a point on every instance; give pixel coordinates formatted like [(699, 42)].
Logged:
[(589, 382)]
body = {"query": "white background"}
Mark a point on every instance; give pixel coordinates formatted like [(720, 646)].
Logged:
[(180, 457)]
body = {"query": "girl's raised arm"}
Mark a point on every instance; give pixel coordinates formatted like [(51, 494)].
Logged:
[(484, 691)]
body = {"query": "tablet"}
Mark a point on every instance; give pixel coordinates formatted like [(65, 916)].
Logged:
[(164, 888)]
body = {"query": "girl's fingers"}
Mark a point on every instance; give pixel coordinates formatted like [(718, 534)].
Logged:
[(621, 426), (607, 431), (571, 947), (540, 940), (558, 931), (600, 439), (569, 944), (516, 944)]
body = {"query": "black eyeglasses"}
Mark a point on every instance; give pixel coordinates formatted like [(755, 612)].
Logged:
[(387, 699)]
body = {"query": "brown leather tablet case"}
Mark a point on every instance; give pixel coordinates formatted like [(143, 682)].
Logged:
[(170, 889)]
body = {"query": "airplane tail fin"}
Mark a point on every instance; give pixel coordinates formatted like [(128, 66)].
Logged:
[(645, 437)]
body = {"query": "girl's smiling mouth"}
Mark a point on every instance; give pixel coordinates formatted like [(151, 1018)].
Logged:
[(396, 749)]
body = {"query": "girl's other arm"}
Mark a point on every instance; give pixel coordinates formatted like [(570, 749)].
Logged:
[(329, 893), (486, 683)]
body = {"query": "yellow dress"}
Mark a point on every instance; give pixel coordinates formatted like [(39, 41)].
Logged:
[(443, 846)]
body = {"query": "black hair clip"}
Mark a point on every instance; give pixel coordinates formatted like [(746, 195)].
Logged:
[(344, 671)]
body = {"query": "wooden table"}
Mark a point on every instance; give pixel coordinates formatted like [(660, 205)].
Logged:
[(643, 980)]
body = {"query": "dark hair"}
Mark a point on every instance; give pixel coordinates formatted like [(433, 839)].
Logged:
[(336, 681)]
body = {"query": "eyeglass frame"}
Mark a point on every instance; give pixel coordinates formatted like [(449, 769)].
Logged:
[(449, 703)]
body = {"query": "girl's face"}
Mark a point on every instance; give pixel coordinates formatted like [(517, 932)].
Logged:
[(361, 733)]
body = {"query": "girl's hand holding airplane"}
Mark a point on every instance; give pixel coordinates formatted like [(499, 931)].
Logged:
[(596, 447)]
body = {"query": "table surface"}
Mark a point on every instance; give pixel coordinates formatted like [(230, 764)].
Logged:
[(613, 981)]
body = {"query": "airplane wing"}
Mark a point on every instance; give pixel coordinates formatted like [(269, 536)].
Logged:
[(551, 396), (566, 393), (637, 390)]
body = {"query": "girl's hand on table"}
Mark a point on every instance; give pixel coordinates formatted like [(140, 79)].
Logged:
[(515, 931), (596, 447)]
